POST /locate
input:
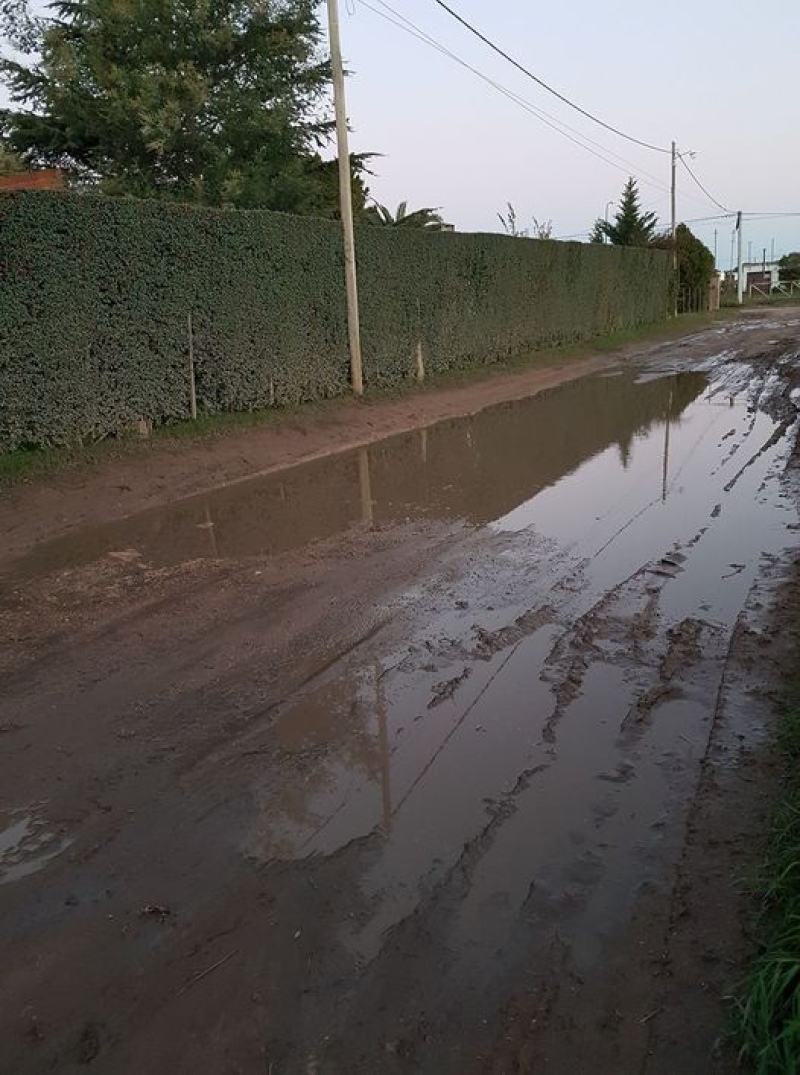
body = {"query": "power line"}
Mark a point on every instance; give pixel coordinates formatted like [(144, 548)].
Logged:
[(541, 82), (403, 23), (556, 124), (708, 219), (550, 121), (770, 216), (710, 197)]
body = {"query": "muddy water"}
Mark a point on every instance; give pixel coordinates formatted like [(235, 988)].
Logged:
[(476, 469), (26, 845), (522, 762), (485, 786)]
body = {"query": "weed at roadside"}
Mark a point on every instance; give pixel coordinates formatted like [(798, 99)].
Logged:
[(768, 1012)]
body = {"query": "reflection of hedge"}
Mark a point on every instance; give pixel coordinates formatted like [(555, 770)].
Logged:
[(96, 293)]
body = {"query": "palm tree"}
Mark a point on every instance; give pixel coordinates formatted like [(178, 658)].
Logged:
[(429, 219)]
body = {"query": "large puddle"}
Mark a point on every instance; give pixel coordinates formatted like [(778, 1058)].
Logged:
[(524, 758), (476, 469), (519, 755)]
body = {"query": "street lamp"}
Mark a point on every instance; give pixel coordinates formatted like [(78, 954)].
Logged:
[(608, 206)]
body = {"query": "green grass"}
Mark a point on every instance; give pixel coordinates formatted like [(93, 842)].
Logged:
[(729, 301), (28, 465), (768, 1012)]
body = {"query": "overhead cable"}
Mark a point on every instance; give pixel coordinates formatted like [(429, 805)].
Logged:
[(628, 167), (710, 196), (541, 82)]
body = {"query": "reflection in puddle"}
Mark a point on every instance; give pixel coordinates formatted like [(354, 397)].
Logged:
[(26, 845), (516, 752), (321, 802), (475, 469), (528, 745)]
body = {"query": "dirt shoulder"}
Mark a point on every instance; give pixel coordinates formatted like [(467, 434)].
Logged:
[(167, 469)]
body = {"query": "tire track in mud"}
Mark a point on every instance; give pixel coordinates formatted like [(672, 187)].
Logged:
[(607, 632), (594, 685), (704, 941)]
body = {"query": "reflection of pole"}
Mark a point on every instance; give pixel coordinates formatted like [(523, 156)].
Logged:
[(423, 444), (366, 488), (666, 452), (383, 747)]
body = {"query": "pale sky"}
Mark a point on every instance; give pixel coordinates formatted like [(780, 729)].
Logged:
[(719, 78)]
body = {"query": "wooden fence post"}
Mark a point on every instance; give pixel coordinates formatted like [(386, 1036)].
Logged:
[(192, 392)]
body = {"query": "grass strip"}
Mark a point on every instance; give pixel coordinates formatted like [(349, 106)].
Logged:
[(768, 1011)]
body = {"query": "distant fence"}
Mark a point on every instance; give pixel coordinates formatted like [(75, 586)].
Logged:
[(102, 300), (786, 288), (692, 300)]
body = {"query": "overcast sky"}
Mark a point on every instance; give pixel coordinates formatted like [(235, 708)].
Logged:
[(719, 78)]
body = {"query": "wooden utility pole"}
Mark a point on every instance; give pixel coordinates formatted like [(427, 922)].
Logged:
[(739, 275), (673, 230), (345, 200)]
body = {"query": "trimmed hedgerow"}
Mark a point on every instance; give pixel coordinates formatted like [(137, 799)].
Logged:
[(96, 294)]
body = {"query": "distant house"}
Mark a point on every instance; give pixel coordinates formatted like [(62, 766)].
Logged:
[(761, 274), (40, 179)]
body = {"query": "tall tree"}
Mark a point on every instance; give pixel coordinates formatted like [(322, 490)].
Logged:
[(210, 101), (789, 266), (695, 260), (631, 226)]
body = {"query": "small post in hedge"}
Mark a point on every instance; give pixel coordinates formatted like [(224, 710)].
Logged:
[(419, 364), (192, 392)]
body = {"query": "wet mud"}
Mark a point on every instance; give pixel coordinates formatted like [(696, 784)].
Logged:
[(394, 761)]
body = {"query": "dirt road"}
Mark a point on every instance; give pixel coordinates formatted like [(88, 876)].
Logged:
[(441, 755)]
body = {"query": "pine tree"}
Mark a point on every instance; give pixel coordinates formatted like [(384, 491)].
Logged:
[(630, 227), (209, 101)]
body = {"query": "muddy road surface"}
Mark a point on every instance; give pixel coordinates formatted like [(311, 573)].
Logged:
[(443, 755)]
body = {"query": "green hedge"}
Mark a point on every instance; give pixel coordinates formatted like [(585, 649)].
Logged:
[(95, 294)]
